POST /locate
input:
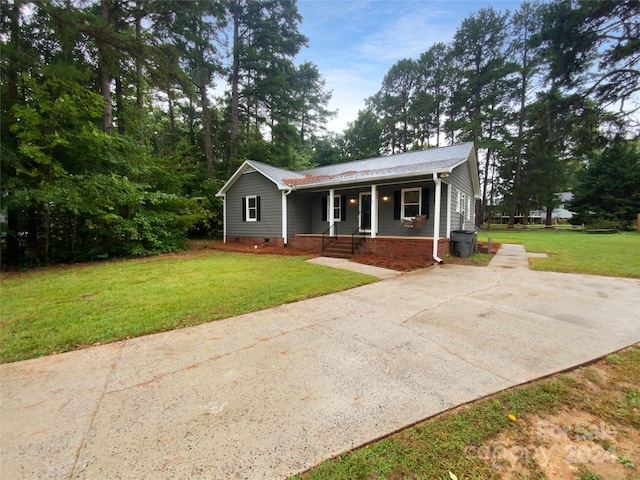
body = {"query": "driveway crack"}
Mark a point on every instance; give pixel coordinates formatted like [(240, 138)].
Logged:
[(209, 359), (455, 354), (95, 411)]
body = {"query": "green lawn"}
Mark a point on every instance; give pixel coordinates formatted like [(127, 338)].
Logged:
[(572, 251), (58, 310)]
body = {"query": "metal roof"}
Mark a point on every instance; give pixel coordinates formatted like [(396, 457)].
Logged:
[(421, 162), (432, 160)]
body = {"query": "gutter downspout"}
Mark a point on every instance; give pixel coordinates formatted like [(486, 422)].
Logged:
[(436, 218), (285, 233), (224, 217), (448, 210)]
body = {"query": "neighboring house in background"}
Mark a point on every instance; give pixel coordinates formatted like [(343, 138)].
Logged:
[(560, 214), (400, 204)]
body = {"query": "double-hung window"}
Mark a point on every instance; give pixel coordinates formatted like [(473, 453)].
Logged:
[(251, 206), (463, 205), (411, 201), (337, 208)]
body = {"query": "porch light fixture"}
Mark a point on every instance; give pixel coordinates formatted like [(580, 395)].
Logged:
[(443, 174), (352, 200), (385, 198)]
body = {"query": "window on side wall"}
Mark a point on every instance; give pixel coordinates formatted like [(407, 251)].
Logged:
[(251, 208), (411, 201)]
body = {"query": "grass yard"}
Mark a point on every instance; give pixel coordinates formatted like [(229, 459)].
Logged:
[(580, 425), (57, 310), (571, 251)]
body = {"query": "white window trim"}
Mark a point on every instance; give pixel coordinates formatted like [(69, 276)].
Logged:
[(254, 208), (458, 201), (467, 209), (336, 207), (402, 204)]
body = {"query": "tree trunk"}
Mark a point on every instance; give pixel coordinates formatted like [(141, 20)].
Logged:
[(12, 251), (521, 119), (235, 73), (485, 182), (206, 117), (120, 105), (203, 81), (139, 82), (172, 115), (549, 219), (105, 77)]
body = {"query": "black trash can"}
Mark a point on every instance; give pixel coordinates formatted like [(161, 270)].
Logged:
[(464, 242)]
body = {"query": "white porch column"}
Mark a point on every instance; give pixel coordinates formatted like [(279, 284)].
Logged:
[(284, 215), (436, 217), (330, 215), (374, 210)]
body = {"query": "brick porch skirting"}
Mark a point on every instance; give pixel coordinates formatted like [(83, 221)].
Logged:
[(386, 246)]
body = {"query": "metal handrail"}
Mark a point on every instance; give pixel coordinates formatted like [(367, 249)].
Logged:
[(331, 238), (353, 242)]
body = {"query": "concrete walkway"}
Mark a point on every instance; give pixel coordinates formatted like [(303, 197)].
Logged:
[(269, 394), (344, 264), (513, 256)]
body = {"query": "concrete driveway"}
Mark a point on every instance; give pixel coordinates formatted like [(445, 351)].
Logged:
[(269, 394)]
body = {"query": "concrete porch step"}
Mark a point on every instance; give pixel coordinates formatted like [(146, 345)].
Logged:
[(337, 255)]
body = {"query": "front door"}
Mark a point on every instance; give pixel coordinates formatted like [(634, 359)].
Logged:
[(365, 212)]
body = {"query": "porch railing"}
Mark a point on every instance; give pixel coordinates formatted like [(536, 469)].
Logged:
[(357, 238), (327, 237)]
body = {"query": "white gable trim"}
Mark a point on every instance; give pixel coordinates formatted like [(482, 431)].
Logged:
[(248, 167)]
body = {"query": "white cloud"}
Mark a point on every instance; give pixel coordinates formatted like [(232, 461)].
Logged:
[(354, 43), (409, 35)]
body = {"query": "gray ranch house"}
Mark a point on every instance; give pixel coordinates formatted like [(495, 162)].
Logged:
[(404, 204)]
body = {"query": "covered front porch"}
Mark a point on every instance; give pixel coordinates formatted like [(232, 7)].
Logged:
[(411, 217)]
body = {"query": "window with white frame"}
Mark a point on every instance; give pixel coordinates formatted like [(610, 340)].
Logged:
[(251, 205), (337, 208), (411, 201), (463, 204)]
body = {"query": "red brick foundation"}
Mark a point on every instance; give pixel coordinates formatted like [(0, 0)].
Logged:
[(386, 246), (260, 241), (396, 247)]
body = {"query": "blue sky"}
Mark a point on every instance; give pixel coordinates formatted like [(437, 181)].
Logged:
[(355, 42)]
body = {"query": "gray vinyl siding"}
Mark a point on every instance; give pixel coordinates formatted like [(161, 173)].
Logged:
[(299, 213), (270, 224), (345, 226), (460, 179), (304, 208), (388, 226)]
